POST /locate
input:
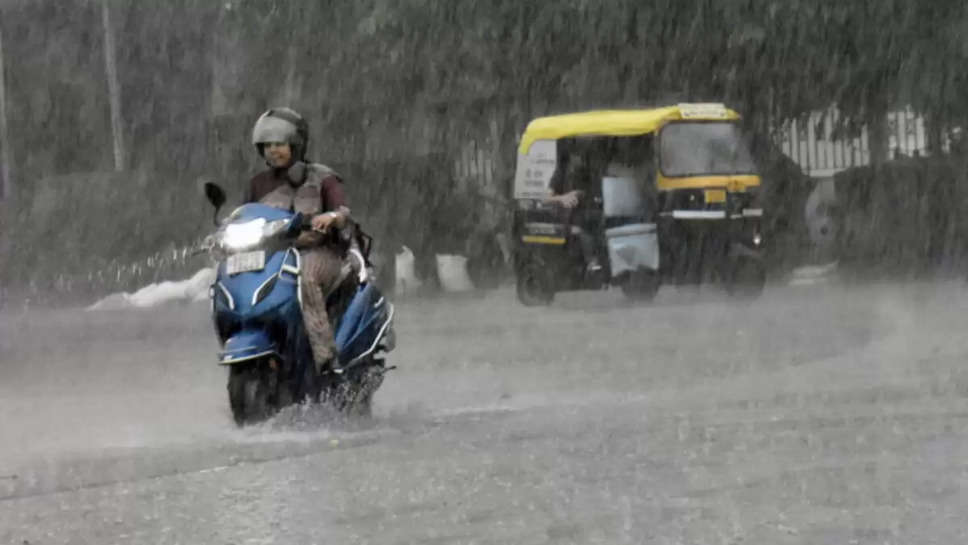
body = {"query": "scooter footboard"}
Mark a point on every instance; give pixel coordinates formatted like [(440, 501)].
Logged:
[(246, 345)]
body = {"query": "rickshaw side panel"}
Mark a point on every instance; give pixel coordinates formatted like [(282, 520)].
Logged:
[(532, 177), (544, 243)]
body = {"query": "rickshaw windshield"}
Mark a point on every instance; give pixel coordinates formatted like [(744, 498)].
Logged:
[(693, 149)]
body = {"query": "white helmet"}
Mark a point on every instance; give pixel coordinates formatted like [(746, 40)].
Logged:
[(282, 125)]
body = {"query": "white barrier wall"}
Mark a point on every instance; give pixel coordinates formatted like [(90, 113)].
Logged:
[(814, 145)]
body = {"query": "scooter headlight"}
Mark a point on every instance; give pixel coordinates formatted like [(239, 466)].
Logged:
[(239, 236)]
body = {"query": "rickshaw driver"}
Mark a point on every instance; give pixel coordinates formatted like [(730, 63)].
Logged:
[(572, 189)]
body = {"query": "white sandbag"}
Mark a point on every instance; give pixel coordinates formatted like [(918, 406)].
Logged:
[(406, 280), (813, 274), (452, 272), (816, 271)]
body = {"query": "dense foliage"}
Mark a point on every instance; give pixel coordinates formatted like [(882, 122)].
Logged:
[(397, 89)]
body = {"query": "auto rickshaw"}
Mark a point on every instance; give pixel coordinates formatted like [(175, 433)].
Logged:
[(671, 194)]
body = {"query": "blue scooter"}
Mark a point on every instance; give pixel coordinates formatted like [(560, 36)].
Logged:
[(256, 307)]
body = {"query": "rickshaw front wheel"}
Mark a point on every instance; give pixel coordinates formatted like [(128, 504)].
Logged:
[(533, 290), (747, 278)]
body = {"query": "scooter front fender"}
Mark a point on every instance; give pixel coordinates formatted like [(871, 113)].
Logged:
[(246, 345)]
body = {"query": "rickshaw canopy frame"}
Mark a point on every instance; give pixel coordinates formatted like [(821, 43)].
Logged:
[(618, 122)]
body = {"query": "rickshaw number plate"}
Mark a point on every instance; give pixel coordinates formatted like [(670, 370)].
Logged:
[(543, 239), (715, 195), (245, 262), (703, 110)]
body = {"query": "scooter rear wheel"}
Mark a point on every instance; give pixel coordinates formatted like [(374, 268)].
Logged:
[(353, 396)]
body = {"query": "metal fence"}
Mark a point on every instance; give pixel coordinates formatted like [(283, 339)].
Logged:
[(820, 146)]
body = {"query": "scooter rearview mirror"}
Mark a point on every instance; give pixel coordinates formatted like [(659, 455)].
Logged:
[(216, 196)]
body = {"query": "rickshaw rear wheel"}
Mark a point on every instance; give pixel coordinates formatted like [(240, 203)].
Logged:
[(641, 285), (747, 278), (532, 290)]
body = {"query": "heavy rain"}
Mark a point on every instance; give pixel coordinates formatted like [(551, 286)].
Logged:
[(492, 271)]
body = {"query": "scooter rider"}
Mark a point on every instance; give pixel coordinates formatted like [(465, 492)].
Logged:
[(291, 182)]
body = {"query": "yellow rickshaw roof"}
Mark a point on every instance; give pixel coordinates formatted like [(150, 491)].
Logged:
[(618, 122)]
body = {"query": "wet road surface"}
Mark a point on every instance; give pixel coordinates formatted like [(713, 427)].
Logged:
[(821, 414)]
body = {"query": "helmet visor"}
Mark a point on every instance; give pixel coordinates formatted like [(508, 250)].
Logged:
[(273, 129)]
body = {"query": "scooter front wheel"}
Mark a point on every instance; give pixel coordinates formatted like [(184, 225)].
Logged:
[(248, 394)]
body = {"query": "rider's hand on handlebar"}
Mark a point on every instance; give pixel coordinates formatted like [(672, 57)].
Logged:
[(323, 222)]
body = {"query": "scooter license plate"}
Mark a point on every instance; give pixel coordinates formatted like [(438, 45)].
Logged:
[(245, 262)]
